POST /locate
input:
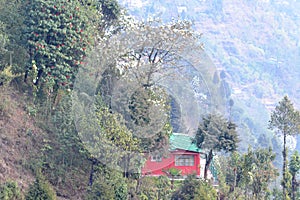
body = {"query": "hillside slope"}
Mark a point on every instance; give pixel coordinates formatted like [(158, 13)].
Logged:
[(26, 145), (19, 140)]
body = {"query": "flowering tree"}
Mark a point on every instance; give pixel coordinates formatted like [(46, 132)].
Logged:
[(57, 40)]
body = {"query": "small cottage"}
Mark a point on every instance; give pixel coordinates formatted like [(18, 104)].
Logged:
[(183, 156)]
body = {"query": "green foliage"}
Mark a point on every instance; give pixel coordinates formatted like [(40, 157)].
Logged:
[(174, 172), (258, 171), (148, 188), (294, 168), (11, 14), (63, 149), (286, 182), (64, 126), (10, 191), (111, 12), (108, 184), (205, 192), (294, 165), (163, 184), (6, 76), (277, 194), (156, 188), (286, 120), (215, 134), (110, 9), (146, 106), (248, 175), (193, 189), (40, 190), (3, 43), (233, 170), (114, 128), (31, 110), (139, 107), (123, 144), (57, 35)]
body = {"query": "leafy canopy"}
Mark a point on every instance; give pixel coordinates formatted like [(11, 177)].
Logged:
[(294, 164), (285, 118), (57, 35), (217, 134)]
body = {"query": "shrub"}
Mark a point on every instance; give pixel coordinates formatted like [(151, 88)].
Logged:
[(194, 189), (155, 188), (5, 103), (6, 76), (108, 184), (40, 190), (10, 191)]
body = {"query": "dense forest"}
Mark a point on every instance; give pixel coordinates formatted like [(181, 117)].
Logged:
[(86, 91)]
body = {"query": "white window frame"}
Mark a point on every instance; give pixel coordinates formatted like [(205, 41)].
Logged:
[(156, 158), (184, 160)]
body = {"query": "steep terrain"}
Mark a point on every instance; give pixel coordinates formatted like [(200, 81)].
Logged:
[(19, 140), (27, 145)]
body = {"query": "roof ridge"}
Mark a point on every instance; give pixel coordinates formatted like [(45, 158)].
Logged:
[(183, 141), (181, 134)]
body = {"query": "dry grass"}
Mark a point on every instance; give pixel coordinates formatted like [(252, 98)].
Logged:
[(22, 137), (18, 139)]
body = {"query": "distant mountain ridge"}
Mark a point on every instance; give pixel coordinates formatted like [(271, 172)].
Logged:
[(255, 44)]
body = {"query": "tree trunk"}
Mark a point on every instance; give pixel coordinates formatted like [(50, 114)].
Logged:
[(235, 174), (26, 75), (126, 166), (39, 75), (91, 179), (138, 185), (294, 187), (209, 158), (284, 167)]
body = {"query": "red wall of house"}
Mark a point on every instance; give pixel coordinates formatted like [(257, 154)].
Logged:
[(157, 168)]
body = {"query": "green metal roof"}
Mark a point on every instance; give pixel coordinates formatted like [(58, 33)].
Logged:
[(182, 141)]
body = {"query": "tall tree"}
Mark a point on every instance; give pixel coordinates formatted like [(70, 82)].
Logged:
[(108, 184), (294, 168), (111, 12), (149, 57), (215, 134), (258, 171), (3, 42), (11, 15), (57, 35), (247, 175), (233, 170), (114, 130), (195, 189), (286, 120)]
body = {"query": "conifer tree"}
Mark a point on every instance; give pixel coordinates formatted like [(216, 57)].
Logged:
[(294, 168), (286, 120)]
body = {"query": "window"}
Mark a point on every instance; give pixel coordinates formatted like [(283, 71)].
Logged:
[(156, 158), (184, 160)]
